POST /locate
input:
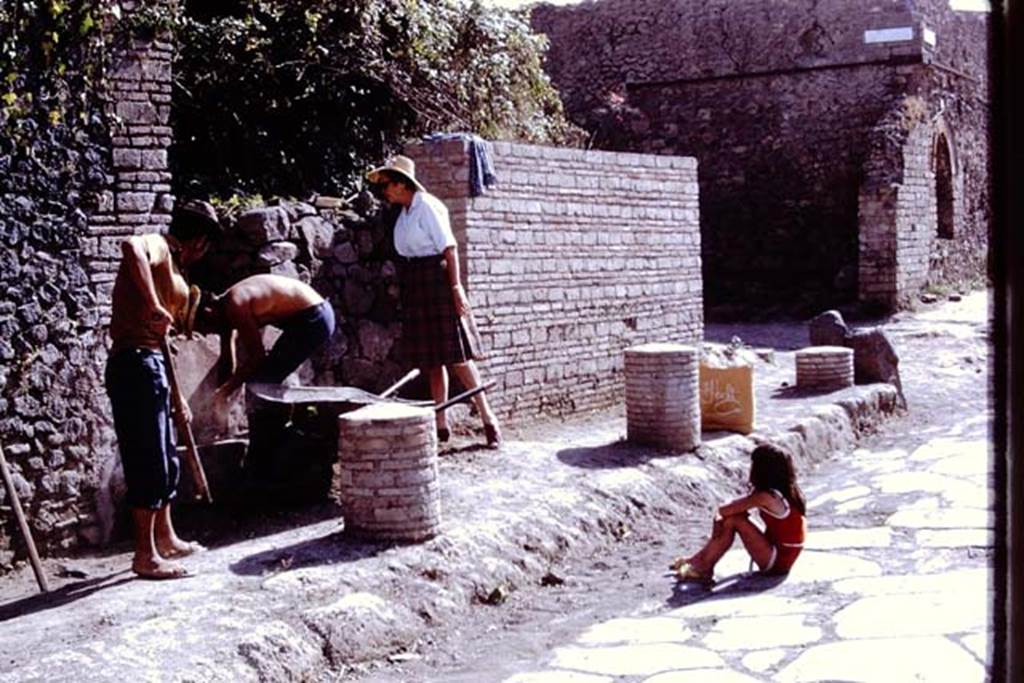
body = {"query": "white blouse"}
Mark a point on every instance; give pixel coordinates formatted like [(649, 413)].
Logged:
[(423, 228)]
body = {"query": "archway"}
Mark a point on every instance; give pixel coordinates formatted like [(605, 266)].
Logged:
[(943, 188)]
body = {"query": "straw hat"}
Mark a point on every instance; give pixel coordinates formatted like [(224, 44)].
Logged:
[(397, 164)]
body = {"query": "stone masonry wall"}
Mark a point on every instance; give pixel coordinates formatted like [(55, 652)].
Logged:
[(779, 174), (57, 272), (915, 212), (573, 257), (139, 199), (781, 103)]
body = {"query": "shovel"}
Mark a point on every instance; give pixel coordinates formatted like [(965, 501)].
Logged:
[(195, 465), (19, 514)]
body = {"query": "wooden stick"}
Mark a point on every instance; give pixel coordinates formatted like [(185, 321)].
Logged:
[(411, 375), (463, 396), (184, 427), (19, 514)]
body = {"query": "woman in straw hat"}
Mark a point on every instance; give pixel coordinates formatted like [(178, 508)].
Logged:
[(433, 299)]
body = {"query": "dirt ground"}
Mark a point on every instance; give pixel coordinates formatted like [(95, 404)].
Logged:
[(944, 351)]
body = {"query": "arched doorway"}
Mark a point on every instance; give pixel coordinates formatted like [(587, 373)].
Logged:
[(943, 188)]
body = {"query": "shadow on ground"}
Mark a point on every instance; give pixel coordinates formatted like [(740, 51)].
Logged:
[(229, 521), (795, 392), (687, 593), (335, 548), (64, 595), (606, 456)]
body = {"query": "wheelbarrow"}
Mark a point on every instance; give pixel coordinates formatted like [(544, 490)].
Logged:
[(293, 439)]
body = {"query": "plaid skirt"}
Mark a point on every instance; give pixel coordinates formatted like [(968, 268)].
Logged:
[(432, 334)]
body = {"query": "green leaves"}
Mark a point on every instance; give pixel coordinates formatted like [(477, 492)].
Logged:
[(292, 97)]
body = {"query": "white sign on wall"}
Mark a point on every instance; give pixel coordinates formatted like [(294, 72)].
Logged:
[(897, 34)]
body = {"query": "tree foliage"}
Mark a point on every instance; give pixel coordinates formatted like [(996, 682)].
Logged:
[(294, 96)]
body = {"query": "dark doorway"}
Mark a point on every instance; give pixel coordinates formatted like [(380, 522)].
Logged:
[(943, 188)]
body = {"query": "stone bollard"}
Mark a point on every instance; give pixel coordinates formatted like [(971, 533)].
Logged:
[(663, 396), (388, 472), (823, 367)]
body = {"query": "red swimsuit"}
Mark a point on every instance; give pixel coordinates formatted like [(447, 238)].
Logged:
[(786, 532)]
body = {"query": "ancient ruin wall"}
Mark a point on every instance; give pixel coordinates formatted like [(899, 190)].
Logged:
[(57, 272), (915, 212), (780, 104), (598, 47), (573, 257), (779, 175)]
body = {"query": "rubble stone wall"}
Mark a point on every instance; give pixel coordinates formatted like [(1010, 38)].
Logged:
[(781, 104), (56, 273), (574, 256)]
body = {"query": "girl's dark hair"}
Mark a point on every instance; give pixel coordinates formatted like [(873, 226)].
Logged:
[(772, 468)]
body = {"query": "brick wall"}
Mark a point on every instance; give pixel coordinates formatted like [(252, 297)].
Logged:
[(139, 198), (573, 257), (915, 213)]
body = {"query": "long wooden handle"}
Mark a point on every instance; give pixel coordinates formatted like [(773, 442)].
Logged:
[(463, 396), (409, 376), (195, 465), (19, 514)]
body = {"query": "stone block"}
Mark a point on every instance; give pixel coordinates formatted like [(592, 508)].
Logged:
[(135, 202)]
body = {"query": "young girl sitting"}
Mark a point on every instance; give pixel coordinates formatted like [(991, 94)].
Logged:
[(776, 496)]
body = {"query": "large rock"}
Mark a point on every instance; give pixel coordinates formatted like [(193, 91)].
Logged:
[(259, 226), (276, 253), (874, 358), (317, 236), (828, 329)]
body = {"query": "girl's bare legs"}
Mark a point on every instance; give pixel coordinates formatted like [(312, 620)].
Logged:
[(723, 533)]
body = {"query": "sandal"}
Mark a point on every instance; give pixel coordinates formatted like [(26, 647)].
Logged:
[(162, 572), (677, 563), (686, 572), (187, 548)]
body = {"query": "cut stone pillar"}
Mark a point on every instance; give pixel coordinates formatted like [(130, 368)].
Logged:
[(388, 472), (663, 396), (824, 367)]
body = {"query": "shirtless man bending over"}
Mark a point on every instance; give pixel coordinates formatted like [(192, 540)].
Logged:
[(304, 318), (150, 295)]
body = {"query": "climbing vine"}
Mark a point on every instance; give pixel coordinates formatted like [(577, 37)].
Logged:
[(53, 120)]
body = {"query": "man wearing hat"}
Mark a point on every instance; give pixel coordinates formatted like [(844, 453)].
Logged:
[(433, 300), (150, 296)]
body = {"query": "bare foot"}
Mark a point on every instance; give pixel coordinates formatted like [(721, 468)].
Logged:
[(158, 570), (179, 548)]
